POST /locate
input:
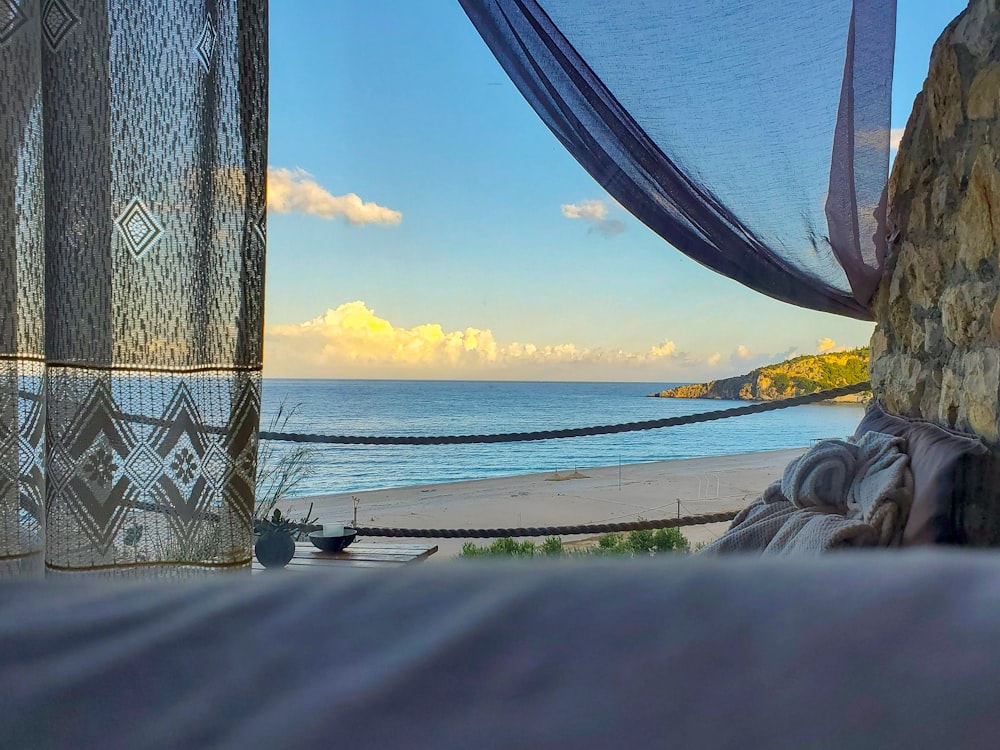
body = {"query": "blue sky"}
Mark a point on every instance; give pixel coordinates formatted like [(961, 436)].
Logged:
[(425, 224)]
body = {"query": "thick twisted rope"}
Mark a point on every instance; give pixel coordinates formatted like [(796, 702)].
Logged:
[(514, 437), (590, 528), (537, 531)]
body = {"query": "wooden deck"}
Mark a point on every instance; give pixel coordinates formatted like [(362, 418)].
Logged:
[(360, 555)]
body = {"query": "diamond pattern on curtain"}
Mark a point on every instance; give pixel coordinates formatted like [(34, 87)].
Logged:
[(132, 197)]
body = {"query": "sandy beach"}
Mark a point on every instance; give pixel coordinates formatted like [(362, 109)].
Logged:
[(589, 495)]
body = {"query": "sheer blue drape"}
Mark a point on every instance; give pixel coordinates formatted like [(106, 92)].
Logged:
[(752, 136)]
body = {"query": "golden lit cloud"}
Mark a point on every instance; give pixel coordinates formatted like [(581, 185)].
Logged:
[(825, 344), (714, 359), (295, 191), (666, 349), (895, 138), (351, 339), (595, 213)]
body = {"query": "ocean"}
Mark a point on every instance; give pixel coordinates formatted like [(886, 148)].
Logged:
[(409, 407)]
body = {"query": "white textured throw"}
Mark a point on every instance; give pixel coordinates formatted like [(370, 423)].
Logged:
[(838, 494)]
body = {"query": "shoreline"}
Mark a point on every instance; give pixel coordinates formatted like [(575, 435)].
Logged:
[(591, 495), (850, 400)]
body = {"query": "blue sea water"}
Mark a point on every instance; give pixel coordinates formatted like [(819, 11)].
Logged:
[(407, 407)]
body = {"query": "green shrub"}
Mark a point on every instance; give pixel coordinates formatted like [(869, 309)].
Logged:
[(807, 385), (780, 382), (552, 546), (670, 540), (646, 542), (503, 547), (611, 542)]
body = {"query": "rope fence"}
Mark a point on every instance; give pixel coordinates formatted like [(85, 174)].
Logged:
[(515, 437), (590, 528), (544, 531), (512, 437)]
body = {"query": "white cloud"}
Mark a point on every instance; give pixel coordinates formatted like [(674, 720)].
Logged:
[(666, 349), (352, 339), (895, 138), (595, 213), (714, 359), (743, 359), (593, 210), (295, 191)]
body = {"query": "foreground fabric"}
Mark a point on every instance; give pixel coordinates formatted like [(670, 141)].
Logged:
[(837, 494), (132, 220), (857, 650), (752, 136)]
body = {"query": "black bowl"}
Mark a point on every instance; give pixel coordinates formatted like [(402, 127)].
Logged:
[(332, 543)]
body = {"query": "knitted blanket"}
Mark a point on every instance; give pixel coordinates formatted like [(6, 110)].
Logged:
[(839, 494)]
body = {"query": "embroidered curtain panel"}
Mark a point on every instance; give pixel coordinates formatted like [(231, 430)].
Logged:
[(132, 221), (752, 136)]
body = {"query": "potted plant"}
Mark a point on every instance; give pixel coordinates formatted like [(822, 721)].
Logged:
[(275, 540), (279, 473)]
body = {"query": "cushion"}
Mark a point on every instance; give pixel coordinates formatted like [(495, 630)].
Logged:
[(848, 650), (945, 464)]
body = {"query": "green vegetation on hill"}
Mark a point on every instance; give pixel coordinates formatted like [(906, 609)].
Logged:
[(794, 377)]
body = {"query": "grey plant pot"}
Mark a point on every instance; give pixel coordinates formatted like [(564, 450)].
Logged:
[(274, 548)]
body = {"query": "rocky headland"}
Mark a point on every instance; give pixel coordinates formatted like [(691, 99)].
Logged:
[(794, 377)]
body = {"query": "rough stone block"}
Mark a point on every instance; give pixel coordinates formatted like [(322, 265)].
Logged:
[(984, 94), (981, 388), (978, 225), (945, 93)]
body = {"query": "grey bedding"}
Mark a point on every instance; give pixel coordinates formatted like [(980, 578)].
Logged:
[(877, 649)]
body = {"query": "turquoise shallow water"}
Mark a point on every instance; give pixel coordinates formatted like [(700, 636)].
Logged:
[(407, 407)]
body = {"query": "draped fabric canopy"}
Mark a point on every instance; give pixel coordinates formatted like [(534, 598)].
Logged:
[(132, 199), (753, 136)]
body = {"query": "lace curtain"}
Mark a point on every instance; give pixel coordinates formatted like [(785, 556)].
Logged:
[(752, 136), (132, 228)]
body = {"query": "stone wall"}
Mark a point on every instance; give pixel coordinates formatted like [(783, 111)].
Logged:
[(936, 348)]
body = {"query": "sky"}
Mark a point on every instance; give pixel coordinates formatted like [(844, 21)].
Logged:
[(425, 224)]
